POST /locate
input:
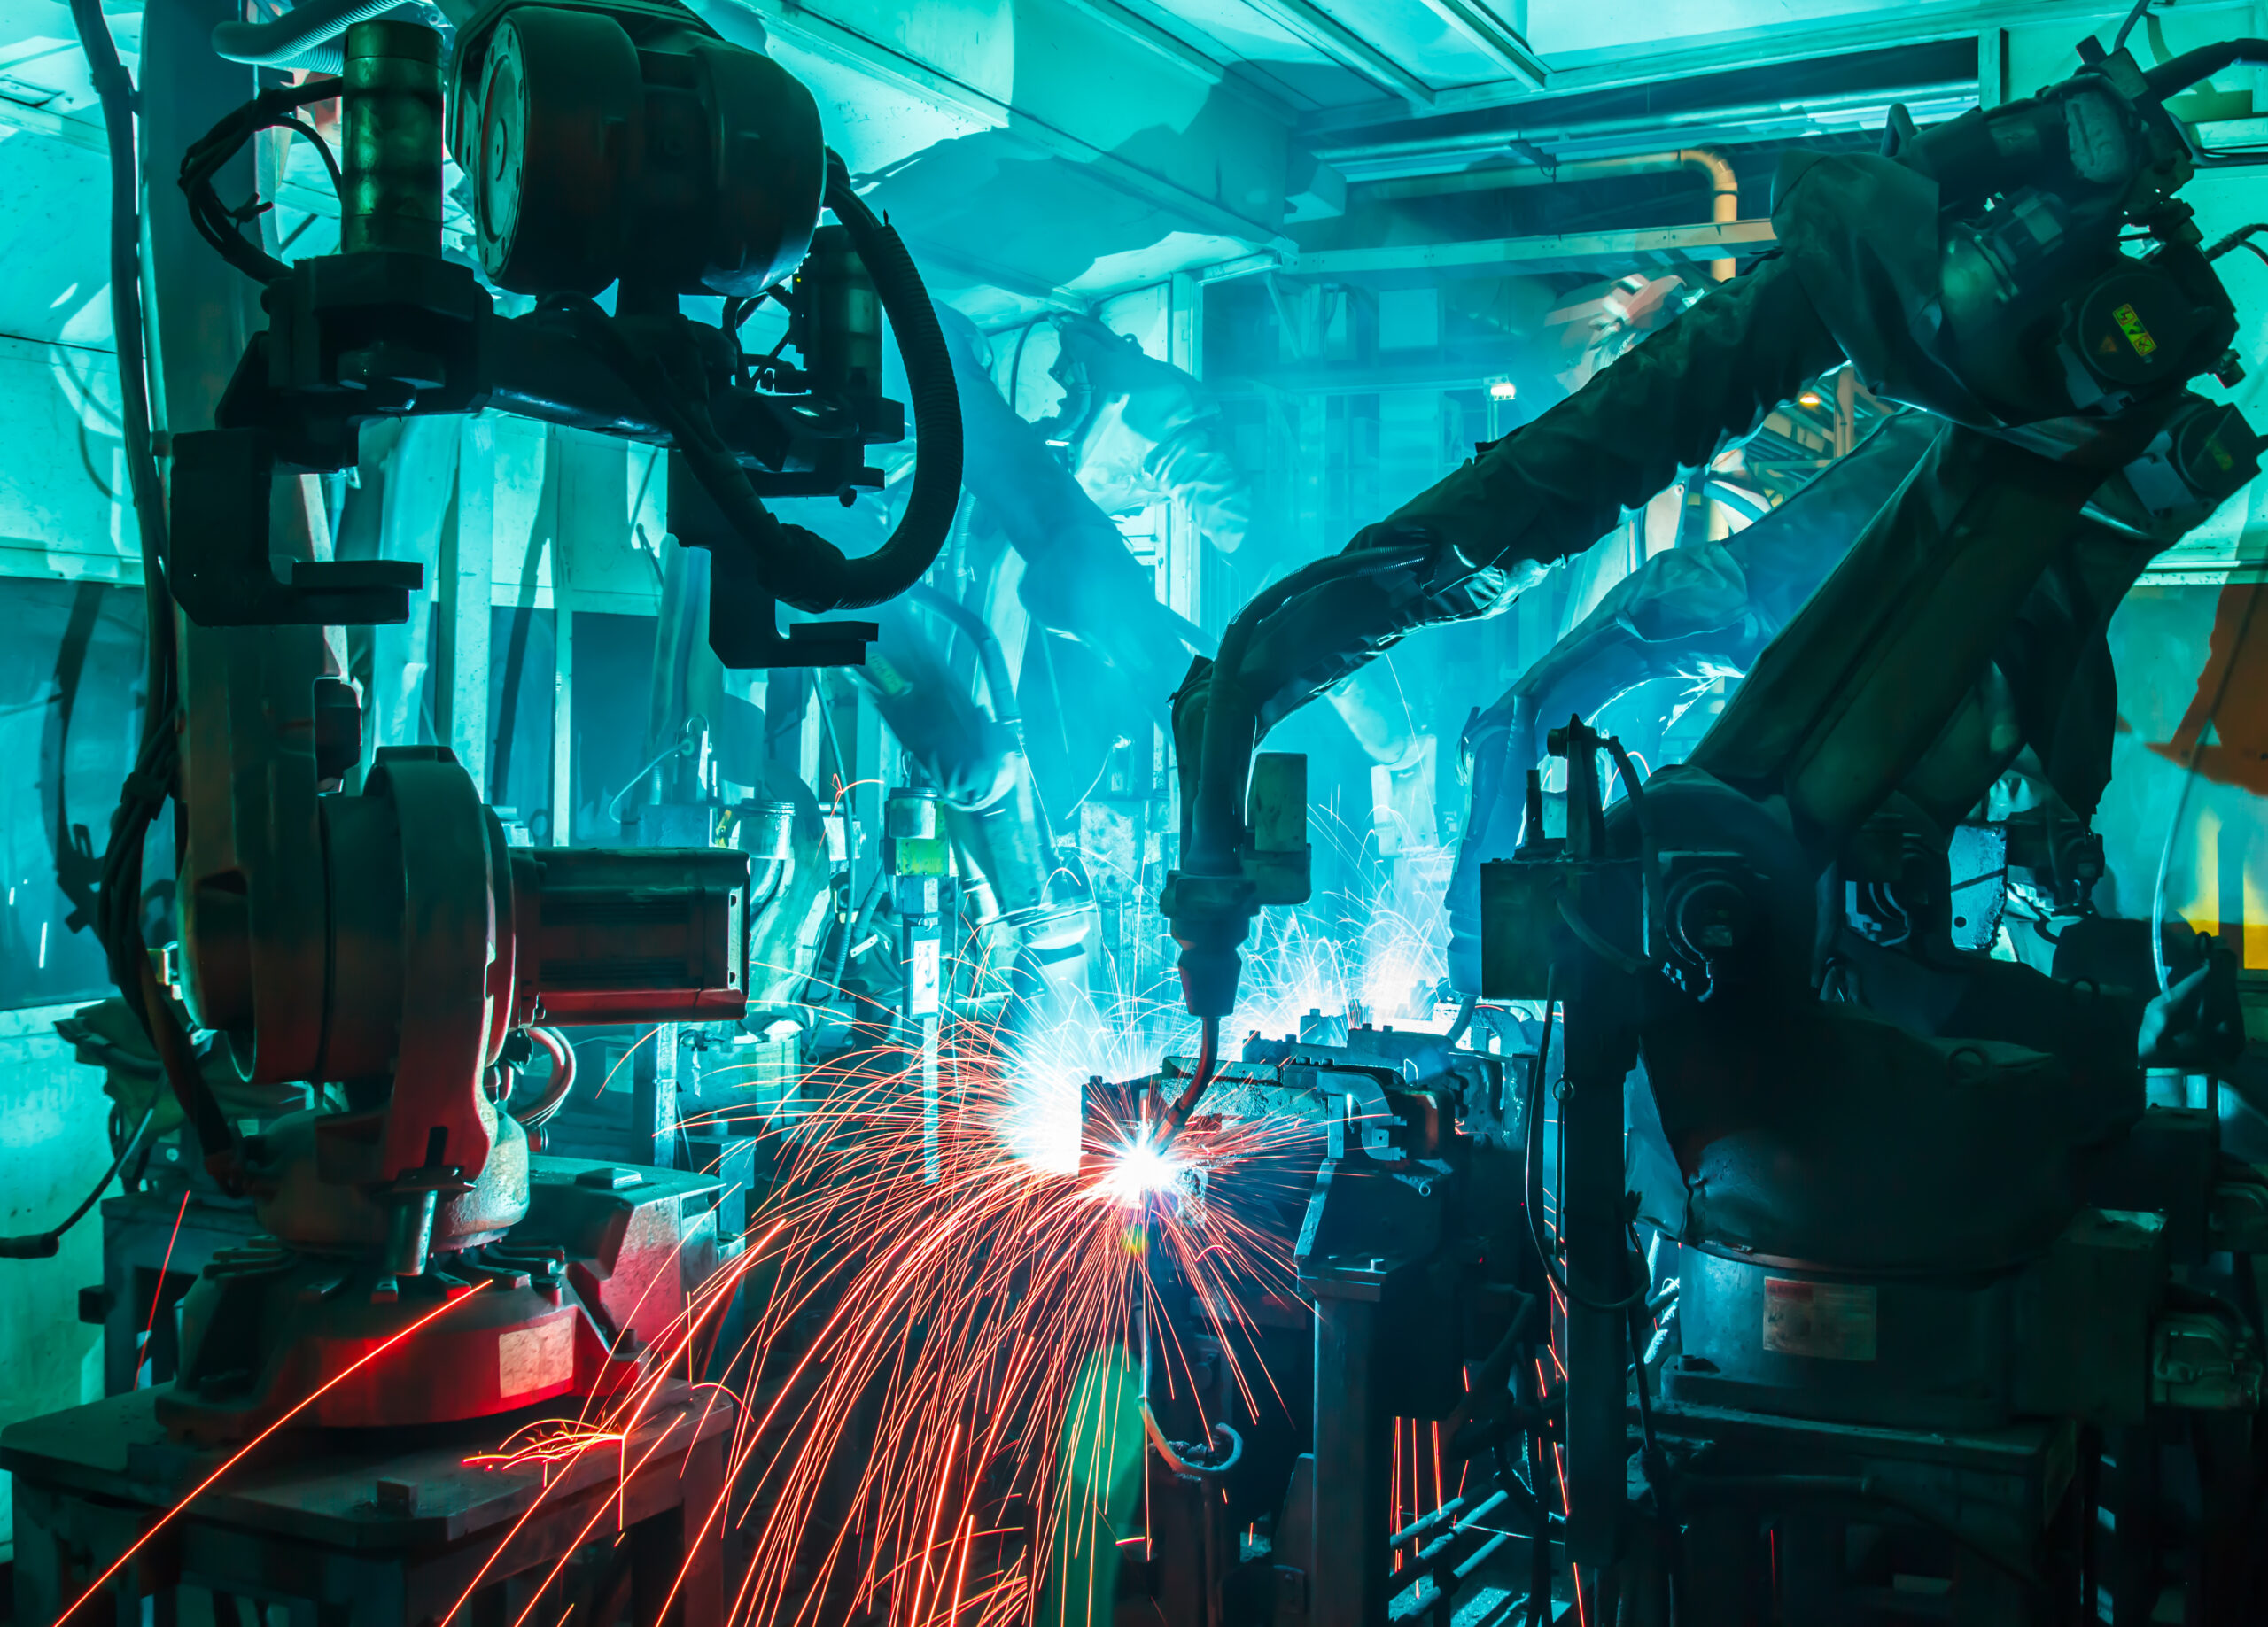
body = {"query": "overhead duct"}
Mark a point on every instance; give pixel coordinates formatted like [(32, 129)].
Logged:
[(1707, 162), (1779, 119)]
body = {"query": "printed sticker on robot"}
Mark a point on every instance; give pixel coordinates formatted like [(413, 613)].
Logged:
[(1832, 1321), (532, 1358)]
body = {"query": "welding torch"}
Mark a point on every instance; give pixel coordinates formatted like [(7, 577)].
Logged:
[(1217, 723), (1175, 1117)]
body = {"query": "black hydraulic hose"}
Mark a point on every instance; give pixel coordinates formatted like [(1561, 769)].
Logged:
[(2126, 29), (795, 565), (117, 94), (118, 920), (913, 546), (2241, 238), (1225, 758), (994, 660), (43, 1246), (2202, 63), (302, 37), (217, 223)]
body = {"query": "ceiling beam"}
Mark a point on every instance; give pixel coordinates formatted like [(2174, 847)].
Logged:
[(1905, 23), (1261, 76), (1413, 151), (54, 126), (1499, 43), (1650, 246), (1141, 31), (1326, 34), (885, 63)]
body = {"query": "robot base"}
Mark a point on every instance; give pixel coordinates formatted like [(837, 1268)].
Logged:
[(572, 1301)]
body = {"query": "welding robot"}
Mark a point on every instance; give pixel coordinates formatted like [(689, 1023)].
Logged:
[(389, 948), (1944, 1297), (2044, 714)]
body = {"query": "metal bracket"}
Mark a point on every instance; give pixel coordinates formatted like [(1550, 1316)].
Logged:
[(221, 573), (743, 618)]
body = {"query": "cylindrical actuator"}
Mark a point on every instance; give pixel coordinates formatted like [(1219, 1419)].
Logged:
[(390, 132)]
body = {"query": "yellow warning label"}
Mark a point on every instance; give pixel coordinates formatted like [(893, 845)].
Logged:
[(2131, 325)]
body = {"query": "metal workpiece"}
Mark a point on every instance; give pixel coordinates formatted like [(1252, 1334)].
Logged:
[(1406, 1215)]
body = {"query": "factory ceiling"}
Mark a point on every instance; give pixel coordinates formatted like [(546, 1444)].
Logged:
[(1048, 152)]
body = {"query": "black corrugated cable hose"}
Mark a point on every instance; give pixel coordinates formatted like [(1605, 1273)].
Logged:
[(797, 566), (118, 902), (1216, 809), (2187, 69), (306, 36)]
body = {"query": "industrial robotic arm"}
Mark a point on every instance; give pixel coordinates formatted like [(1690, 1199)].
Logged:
[(389, 947), (1684, 933), (1707, 606), (607, 145), (2005, 224), (1709, 609)]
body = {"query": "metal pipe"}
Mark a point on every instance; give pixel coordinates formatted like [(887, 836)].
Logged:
[(303, 37), (1349, 1586), (390, 133), (410, 1232), (1707, 162), (1856, 109), (999, 683)]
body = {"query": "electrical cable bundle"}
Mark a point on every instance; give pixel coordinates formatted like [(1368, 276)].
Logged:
[(116, 920)]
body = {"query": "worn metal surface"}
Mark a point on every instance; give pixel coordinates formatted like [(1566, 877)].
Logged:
[(360, 1537)]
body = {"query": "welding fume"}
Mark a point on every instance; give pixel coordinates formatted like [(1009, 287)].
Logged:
[(681, 949)]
